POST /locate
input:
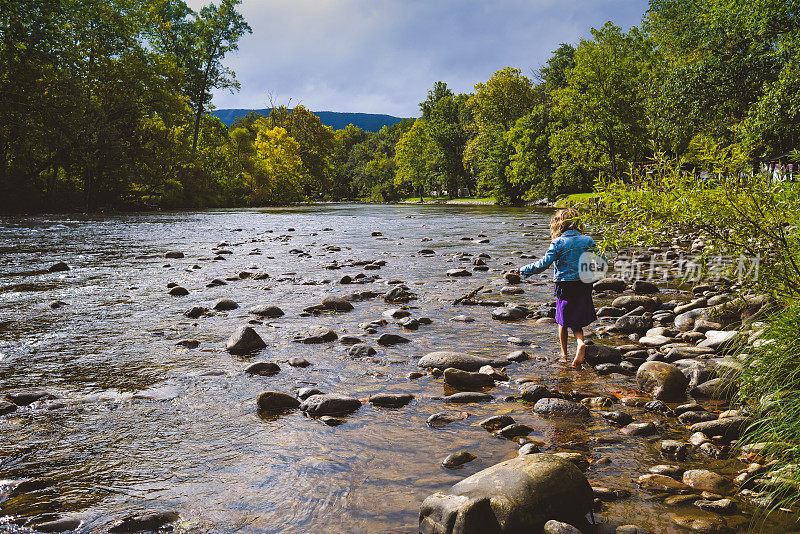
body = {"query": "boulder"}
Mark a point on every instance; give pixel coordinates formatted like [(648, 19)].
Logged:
[(270, 401), (729, 428), (391, 400), (266, 310), (225, 305), (560, 407), (518, 495), (466, 379), (629, 302), (597, 354), (329, 404), (339, 304), (643, 287), (386, 340), (704, 480), (610, 284), (508, 313), (458, 360), (630, 324), (317, 334), (58, 267), (263, 368), (244, 341), (361, 350), (662, 380)]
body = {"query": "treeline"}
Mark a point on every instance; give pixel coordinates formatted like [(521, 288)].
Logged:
[(107, 105)]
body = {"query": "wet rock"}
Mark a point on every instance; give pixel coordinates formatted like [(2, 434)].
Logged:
[(317, 334), (508, 314), (28, 396), (458, 272), (266, 310), (399, 294), (350, 340), (512, 278), (244, 340), (338, 304), (528, 448), (609, 368), (188, 343), (396, 313), (557, 527), (609, 494), (178, 291), (64, 524), (408, 323), (518, 341), (597, 354), (273, 401), (560, 408), (145, 523), (391, 400), (58, 267), (720, 506), (535, 392), (298, 361), (194, 312), (304, 393), (58, 304), (496, 422), (518, 495), (329, 404), (511, 290), (662, 380), (643, 287), (517, 356), (610, 284), (361, 350), (465, 397), (690, 418), (466, 379), (463, 318), (514, 430), (673, 449), (729, 428), (458, 360), (610, 311), (640, 429), (629, 302), (661, 483), (458, 459), (685, 321), (331, 421), (616, 417), (263, 368), (674, 471), (630, 324), (707, 524), (720, 339), (386, 340), (174, 255), (225, 305), (705, 480), (7, 407), (442, 419), (631, 529)]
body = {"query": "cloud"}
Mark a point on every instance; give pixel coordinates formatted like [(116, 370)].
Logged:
[(382, 56)]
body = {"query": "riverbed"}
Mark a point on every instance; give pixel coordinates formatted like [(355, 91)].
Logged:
[(139, 424)]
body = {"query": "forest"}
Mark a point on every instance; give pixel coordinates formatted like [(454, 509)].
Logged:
[(107, 106)]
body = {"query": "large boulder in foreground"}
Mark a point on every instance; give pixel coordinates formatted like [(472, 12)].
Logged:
[(518, 495), (244, 341), (457, 360), (662, 380)]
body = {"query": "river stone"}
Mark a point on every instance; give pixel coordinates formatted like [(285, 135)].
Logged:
[(629, 302), (663, 381), (463, 319), (508, 314), (496, 422), (705, 480), (263, 368), (511, 290), (7, 407), (657, 482), (350, 340), (610, 311), (408, 323), (512, 278), (643, 287), (361, 350), (391, 400), (467, 397), (396, 313), (225, 305), (58, 267), (194, 312), (610, 284), (514, 430), (442, 419), (616, 417), (317, 334), (154, 522), (276, 401), (673, 449), (716, 388), (706, 523), (685, 321), (304, 393), (721, 506), (244, 340), (188, 343), (560, 407), (63, 524), (266, 310), (25, 397), (458, 272), (720, 339), (729, 428), (630, 324), (518, 495), (466, 379), (557, 527), (298, 361), (386, 340), (178, 291), (639, 429), (517, 356), (535, 392), (458, 360), (330, 404), (597, 353), (654, 341), (458, 459), (690, 418), (336, 304), (174, 254)]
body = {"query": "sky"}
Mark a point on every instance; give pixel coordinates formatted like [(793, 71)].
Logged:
[(382, 56)]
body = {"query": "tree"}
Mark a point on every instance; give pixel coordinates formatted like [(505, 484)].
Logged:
[(280, 167), (415, 156), (438, 92)]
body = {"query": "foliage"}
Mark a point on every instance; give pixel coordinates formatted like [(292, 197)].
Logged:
[(415, 156)]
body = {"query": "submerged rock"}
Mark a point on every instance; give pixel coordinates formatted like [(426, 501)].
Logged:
[(317, 334), (145, 523), (391, 400), (59, 525), (336, 304), (275, 401), (457, 459), (58, 267), (458, 360), (518, 495), (266, 310)]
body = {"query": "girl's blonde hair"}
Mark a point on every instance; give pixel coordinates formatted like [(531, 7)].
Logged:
[(563, 220)]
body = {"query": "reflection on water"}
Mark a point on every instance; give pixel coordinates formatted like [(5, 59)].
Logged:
[(143, 425)]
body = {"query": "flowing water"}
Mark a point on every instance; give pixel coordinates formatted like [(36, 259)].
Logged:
[(142, 425)]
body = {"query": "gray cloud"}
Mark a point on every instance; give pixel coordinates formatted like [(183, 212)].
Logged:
[(382, 56)]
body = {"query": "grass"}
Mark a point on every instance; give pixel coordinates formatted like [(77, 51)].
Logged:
[(576, 198)]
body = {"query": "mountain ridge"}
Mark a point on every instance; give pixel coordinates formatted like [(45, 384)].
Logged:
[(370, 122)]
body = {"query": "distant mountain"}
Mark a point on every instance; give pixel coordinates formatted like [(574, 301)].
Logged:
[(370, 122)]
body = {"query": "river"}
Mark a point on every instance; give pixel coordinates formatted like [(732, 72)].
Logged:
[(141, 424)]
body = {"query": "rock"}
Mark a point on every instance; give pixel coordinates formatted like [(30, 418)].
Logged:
[(716, 388), (396, 313), (304, 393), (517, 356), (557, 527), (661, 483), (720, 506), (610, 311), (629, 324), (361, 350), (511, 290), (263, 368), (28, 396), (442, 419), (467, 397), (391, 400), (466, 379), (496, 422), (458, 272), (707, 524), (58, 304), (350, 340), (616, 417), (408, 323), (63, 524), (58, 267), (692, 305), (513, 430), (560, 407), (512, 278), (518, 495), (690, 418), (669, 470), (298, 361), (528, 448), (608, 368), (705, 480), (631, 529), (330, 404), (458, 360), (463, 319), (610, 284), (597, 354), (685, 321), (194, 312), (339, 304), (508, 314), (386, 340), (188, 343), (729, 428), (458, 459), (662, 380), (174, 255), (654, 341), (640, 429), (145, 523), (535, 392), (399, 294), (673, 449), (642, 287), (244, 341), (317, 334), (225, 305), (7, 407), (720, 339), (178, 291), (266, 310), (629, 302), (272, 401)]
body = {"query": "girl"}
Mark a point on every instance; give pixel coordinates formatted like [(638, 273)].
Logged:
[(574, 305)]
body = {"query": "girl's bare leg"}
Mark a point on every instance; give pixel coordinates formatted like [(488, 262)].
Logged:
[(563, 334), (580, 352)]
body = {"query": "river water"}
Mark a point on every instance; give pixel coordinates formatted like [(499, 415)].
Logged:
[(142, 425)]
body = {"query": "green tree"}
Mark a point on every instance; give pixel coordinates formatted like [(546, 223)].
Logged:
[(415, 156), (280, 167)]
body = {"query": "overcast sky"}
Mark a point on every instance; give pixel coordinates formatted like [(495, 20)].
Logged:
[(382, 56)]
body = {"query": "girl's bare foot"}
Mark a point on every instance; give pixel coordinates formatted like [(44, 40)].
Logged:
[(579, 354), (564, 356)]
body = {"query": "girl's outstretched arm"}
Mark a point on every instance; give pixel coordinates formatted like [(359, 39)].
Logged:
[(541, 264)]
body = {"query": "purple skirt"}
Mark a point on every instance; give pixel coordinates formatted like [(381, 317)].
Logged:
[(574, 304)]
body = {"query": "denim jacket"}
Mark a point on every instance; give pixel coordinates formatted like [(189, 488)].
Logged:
[(564, 251)]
